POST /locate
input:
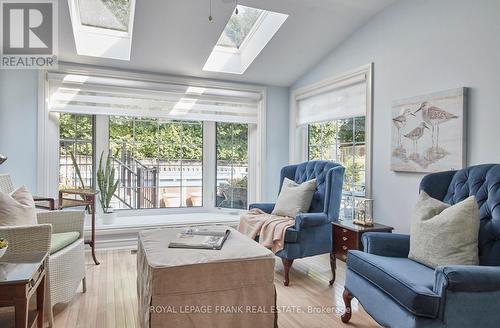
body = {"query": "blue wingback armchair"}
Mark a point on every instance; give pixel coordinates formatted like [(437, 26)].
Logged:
[(398, 292), (312, 233)]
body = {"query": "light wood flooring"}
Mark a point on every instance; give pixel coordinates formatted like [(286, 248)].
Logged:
[(111, 299)]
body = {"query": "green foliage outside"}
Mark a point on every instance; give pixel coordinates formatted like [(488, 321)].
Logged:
[(120, 9), (334, 141), (76, 127), (239, 26), (232, 143), (152, 138)]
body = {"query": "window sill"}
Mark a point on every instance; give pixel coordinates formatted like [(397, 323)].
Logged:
[(154, 220)]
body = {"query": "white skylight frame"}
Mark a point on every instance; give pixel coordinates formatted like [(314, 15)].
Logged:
[(236, 61), (98, 41)]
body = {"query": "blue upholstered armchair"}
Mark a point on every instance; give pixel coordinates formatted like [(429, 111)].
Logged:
[(312, 234), (398, 292)]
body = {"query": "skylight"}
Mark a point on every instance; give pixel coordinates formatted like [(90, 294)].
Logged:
[(109, 14), (243, 38), (239, 26), (103, 28)]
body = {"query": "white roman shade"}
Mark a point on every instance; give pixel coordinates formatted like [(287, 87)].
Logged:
[(102, 95), (342, 99)]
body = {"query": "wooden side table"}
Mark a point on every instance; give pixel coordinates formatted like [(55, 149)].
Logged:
[(347, 236), (21, 276), (88, 198)]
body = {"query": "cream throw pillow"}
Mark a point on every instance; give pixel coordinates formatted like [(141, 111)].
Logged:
[(17, 208), (443, 234), (294, 198)]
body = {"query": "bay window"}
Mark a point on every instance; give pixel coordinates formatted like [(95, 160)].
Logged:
[(173, 146)]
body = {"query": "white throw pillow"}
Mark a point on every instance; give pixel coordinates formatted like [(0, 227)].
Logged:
[(444, 234), (294, 198), (17, 208)]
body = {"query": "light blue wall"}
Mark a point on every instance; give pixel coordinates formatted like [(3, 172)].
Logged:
[(18, 131), (277, 139), (420, 47)]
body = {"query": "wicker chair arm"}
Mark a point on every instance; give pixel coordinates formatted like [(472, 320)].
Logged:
[(63, 221), (27, 239)]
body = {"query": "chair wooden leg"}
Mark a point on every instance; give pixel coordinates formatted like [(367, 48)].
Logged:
[(347, 296), (50, 315), (287, 264), (84, 284), (333, 266)]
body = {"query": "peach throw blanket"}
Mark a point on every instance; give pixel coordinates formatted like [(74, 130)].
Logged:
[(270, 228)]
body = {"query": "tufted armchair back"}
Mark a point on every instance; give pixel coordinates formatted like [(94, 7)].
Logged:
[(329, 180), (483, 182)]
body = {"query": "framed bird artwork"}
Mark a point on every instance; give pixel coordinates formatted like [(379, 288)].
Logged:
[(428, 132)]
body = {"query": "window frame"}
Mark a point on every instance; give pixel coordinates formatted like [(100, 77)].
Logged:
[(48, 134), (87, 38), (299, 133)]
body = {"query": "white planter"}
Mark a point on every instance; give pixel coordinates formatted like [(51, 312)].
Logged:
[(108, 218)]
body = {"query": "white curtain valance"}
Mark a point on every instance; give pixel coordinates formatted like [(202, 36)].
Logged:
[(98, 95), (341, 99)]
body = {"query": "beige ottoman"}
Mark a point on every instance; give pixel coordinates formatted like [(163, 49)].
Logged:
[(233, 287)]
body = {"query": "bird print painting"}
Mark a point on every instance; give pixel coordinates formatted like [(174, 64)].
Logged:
[(414, 135), (427, 132), (400, 122)]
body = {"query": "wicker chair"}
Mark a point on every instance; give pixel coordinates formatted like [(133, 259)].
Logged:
[(66, 266)]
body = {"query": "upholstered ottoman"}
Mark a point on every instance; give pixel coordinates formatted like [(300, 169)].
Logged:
[(233, 287)]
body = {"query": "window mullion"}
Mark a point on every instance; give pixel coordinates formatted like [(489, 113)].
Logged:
[(209, 165)]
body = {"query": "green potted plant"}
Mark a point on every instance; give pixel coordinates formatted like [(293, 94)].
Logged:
[(107, 187)]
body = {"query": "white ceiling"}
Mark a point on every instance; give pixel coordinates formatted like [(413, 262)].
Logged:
[(175, 36)]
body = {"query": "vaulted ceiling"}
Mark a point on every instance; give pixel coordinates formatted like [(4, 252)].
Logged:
[(175, 36)]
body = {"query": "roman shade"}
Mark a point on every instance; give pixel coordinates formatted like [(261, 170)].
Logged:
[(343, 98), (104, 95)]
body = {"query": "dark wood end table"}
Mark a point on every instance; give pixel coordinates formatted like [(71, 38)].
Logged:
[(347, 236), (88, 198), (21, 276)]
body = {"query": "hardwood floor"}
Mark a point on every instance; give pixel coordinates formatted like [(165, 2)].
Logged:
[(111, 299)]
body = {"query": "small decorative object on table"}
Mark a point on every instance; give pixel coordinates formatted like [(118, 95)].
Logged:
[(363, 211), (4, 244)]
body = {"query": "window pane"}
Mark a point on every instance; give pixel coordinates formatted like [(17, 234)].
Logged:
[(76, 160), (345, 133), (109, 14), (238, 26), (232, 165), (158, 162), (342, 141), (359, 126), (315, 134)]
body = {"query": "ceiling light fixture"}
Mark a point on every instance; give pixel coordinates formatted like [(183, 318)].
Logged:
[(210, 15)]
